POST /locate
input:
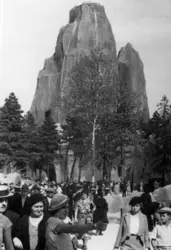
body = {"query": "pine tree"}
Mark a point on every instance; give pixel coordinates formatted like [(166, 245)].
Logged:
[(48, 140), (12, 149), (158, 149), (31, 142)]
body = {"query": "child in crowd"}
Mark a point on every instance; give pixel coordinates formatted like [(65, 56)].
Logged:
[(161, 235), (157, 219)]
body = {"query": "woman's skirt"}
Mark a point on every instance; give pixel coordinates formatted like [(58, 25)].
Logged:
[(132, 243)]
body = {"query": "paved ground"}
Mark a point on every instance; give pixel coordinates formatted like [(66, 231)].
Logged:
[(106, 242)]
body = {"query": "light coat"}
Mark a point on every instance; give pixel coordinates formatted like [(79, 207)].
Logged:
[(124, 230)]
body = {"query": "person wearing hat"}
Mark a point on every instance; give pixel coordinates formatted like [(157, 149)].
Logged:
[(133, 232), (57, 231), (35, 190), (146, 204), (19, 202), (47, 199), (5, 223), (7, 211), (30, 230), (161, 234), (50, 193)]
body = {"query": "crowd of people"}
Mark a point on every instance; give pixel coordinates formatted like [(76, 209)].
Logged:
[(49, 216)]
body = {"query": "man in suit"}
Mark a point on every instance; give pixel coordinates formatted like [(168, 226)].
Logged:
[(133, 231), (47, 200), (19, 202)]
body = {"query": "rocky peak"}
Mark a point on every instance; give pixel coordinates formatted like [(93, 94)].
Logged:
[(85, 9), (131, 72), (87, 29)]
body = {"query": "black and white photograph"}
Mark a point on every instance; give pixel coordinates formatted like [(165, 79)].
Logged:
[(85, 125)]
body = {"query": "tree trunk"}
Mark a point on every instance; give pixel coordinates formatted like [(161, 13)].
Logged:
[(66, 165), (52, 173), (163, 168), (163, 178), (80, 169), (104, 168), (121, 161), (108, 170), (109, 175), (72, 168), (40, 174), (132, 179), (94, 150)]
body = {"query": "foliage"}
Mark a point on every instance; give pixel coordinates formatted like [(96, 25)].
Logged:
[(158, 134), (90, 87), (103, 110), (119, 129), (32, 139), (91, 93), (12, 149), (48, 140), (24, 144), (75, 132)]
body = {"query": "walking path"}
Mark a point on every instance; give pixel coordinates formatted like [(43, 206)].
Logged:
[(107, 240)]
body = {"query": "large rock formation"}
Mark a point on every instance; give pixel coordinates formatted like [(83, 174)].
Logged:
[(88, 28), (131, 72)]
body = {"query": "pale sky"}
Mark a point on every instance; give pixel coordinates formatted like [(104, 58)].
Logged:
[(29, 30)]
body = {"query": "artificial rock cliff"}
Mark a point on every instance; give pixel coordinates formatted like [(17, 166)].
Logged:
[(88, 28), (131, 72)]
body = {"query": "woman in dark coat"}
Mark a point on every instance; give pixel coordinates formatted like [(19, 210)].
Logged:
[(29, 232), (100, 214)]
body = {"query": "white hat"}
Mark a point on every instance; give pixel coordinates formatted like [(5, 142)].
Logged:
[(165, 210)]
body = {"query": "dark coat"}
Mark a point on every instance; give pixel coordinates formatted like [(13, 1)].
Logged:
[(46, 206), (15, 205), (146, 198), (13, 217), (22, 232), (100, 214)]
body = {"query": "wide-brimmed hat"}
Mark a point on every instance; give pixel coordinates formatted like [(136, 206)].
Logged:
[(165, 210), (58, 201), (4, 192)]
